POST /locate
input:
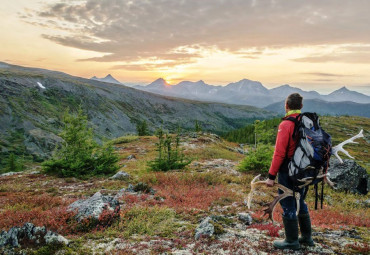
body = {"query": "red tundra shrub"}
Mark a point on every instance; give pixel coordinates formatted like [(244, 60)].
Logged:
[(41, 210), (329, 218), (185, 194), (272, 230)]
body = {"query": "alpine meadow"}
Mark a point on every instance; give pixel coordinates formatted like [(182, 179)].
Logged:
[(184, 127)]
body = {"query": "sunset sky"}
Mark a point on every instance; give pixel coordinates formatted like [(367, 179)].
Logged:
[(316, 44)]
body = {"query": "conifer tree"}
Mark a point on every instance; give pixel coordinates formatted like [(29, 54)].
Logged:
[(79, 154)]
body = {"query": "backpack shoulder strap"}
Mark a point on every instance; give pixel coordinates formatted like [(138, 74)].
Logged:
[(296, 121)]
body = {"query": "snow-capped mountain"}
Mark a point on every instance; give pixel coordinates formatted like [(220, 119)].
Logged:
[(109, 78)]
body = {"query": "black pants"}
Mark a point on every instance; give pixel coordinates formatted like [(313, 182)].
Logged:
[(289, 204)]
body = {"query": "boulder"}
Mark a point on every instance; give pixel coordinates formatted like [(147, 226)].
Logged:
[(130, 157), (30, 235), (245, 218), (95, 206), (121, 175), (205, 228), (349, 176)]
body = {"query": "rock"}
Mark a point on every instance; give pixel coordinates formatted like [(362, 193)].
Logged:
[(35, 172), (349, 176), (140, 188), (121, 175), (95, 206), (245, 218), (30, 235), (9, 174), (52, 237), (205, 228), (130, 157), (130, 188)]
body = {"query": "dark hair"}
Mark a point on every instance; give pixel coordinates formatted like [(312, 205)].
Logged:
[(294, 101)]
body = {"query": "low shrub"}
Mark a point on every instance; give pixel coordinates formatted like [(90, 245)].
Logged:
[(258, 160)]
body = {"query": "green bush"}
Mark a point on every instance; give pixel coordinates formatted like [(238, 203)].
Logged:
[(79, 154), (258, 160), (168, 158)]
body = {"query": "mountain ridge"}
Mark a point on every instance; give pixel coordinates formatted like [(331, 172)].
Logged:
[(249, 92)]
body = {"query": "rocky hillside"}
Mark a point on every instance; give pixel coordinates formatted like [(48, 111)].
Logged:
[(32, 102), (199, 210)]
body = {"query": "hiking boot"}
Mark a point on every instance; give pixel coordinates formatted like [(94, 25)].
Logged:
[(291, 235), (305, 226)]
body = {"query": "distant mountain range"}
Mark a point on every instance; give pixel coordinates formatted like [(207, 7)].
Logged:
[(246, 92), (326, 108)]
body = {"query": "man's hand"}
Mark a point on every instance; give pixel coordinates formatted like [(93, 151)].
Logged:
[(270, 183)]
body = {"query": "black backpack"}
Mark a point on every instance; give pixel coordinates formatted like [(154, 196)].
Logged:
[(311, 156)]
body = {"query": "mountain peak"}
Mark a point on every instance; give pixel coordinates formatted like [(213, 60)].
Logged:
[(160, 82), (109, 78), (344, 88)]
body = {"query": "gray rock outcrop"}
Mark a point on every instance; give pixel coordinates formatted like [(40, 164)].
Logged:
[(9, 174), (94, 206), (349, 176), (205, 228), (121, 175), (245, 218), (30, 235)]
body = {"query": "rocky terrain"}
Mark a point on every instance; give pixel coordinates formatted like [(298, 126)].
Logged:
[(198, 210)]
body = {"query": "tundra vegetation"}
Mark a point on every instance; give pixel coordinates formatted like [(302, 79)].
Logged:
[(215, 184)]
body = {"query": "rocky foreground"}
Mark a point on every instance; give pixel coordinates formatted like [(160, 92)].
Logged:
[(200, 210)]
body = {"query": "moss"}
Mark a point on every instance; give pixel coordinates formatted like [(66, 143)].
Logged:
[(149, 221), (218, 228)]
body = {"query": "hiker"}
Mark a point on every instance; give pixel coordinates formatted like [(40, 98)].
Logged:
[(284, 150)]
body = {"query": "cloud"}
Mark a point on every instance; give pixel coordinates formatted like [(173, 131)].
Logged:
[(327, 74), (128, 31), (347, 54)]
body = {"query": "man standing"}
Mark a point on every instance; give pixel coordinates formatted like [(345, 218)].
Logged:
[(284, 150)]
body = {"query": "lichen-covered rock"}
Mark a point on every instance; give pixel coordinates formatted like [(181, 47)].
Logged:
[(349, 176), (205, 228), (9, 174), (121, 175), (30, 235), (95, 206), (245, 218)]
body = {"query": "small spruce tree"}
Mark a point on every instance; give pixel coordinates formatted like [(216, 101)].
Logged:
[(198, 127), (79, 154), (12, 164), (170, 155), (142, 128)]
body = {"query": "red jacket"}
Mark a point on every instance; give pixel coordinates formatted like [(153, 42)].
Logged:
[(285, 145)]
